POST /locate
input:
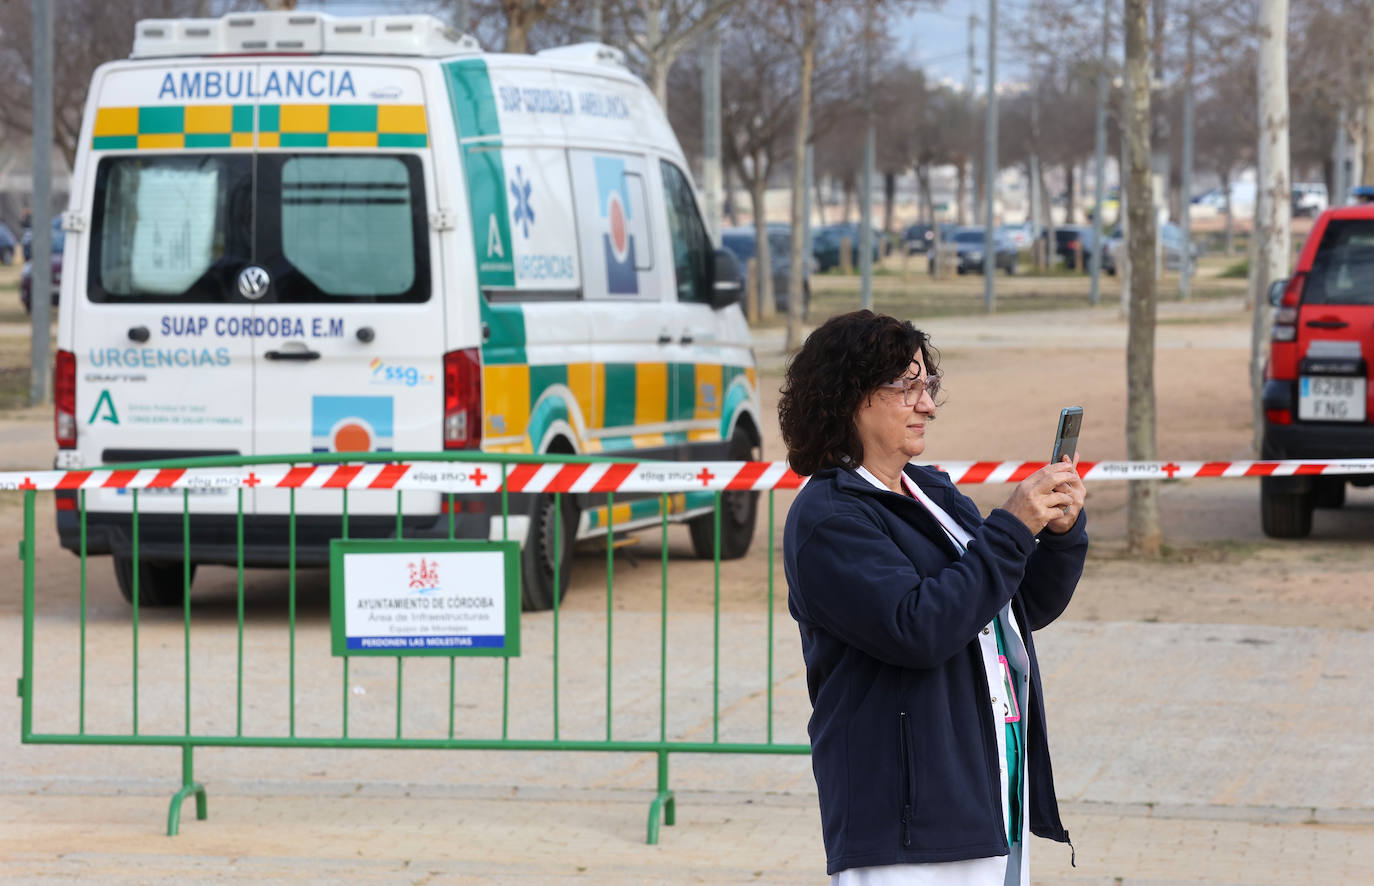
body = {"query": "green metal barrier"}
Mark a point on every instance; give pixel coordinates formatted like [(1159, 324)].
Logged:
[(662, 808)]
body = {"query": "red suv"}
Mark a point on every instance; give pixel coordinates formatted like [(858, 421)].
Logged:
[(1317, 391)]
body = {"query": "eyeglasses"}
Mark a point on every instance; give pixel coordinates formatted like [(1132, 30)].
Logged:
[(913, 388)]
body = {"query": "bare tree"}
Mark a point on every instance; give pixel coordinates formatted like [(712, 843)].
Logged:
[(1273, 242), (85, 35), (1142, 497), (655, 33), (521, 16), (801, 136)]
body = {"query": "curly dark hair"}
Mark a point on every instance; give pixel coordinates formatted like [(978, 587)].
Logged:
[(838, 366)]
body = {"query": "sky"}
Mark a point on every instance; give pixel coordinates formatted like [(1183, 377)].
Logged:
[(935, 39)]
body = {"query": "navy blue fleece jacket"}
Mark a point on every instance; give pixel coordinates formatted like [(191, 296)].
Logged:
[(902, 733)]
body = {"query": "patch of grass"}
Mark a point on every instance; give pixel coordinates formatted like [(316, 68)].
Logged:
[(1240, 270)]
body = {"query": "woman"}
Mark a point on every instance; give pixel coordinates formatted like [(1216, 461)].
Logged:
[(928, 729)]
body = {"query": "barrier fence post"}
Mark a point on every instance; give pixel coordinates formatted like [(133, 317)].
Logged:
[(81, 517), (27, 552), (189, 786)]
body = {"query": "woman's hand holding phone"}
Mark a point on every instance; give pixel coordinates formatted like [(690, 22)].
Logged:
[(1073, 487)]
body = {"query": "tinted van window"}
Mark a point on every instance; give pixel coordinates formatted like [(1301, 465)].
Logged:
[(1343, 268), (346, 223), (343, 227)]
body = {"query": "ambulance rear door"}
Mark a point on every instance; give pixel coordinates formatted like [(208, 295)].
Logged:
[(168, 191), (350, 327)]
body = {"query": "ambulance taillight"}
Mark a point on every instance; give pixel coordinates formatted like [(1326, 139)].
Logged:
[(463, 399), (64, 397)]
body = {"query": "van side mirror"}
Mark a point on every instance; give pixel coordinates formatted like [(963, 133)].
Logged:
[(727, 283), (1276, 291)]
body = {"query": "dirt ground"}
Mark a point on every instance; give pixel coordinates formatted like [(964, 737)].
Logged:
[(1007, 376)]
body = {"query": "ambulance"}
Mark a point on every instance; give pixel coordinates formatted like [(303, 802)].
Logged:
[(298, 233)]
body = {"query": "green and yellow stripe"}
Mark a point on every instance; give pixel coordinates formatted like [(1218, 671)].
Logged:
[(263, 126)]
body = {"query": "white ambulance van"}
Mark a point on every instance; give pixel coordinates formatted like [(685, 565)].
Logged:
[(296, 233)]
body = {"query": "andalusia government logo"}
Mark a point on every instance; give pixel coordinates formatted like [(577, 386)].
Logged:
[(106, 402)]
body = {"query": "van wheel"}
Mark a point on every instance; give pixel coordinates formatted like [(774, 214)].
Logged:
[(738, 513), (160, 584), (1330, 492), (1285, 514), (548, 534)]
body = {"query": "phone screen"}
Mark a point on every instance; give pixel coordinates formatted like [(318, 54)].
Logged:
[(1066, 437)]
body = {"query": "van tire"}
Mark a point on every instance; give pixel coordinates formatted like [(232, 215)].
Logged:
[(1330, 492), (738, 514), (160, 583), (1285, 514), (537, 557)]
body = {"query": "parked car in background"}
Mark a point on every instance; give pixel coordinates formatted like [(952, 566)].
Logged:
[(1319, 378), (59, 239), (825, 244), (1171, 247), (1243, 196), (918, 238), (1071, 241), (970, 243), (1309, 198), (743, 242), (7, 244)]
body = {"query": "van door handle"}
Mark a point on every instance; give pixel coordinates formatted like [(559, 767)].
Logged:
[(292, 355), (686, 338), (1327, 324), (664, 338)]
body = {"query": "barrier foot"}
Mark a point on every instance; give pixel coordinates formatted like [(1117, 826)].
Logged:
[(664, 806), (188, 787)]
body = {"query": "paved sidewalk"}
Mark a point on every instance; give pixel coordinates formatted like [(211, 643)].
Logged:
[(1184, 754)]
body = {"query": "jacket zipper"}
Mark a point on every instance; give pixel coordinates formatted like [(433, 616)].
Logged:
[(906, 782)]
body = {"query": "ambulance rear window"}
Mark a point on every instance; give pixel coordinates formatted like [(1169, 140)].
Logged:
[(162, 224), (346, 223)]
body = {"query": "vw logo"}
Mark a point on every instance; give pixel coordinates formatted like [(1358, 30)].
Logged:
[(253, 282)]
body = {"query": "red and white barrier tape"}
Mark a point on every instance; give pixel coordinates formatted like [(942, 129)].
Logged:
[(614, 477)]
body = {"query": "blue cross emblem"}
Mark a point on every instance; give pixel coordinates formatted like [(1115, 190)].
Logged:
[(524, 214)]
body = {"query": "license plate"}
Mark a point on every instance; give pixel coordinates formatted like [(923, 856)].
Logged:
[(1331, 398)]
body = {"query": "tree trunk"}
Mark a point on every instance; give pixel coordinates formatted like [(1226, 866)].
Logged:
[(1070, 196), (762, 254), (727, 207), (659, 62), (820, 203), (1367, 151), (1142, 496), (960, 192), (1047, 207), (797, 269), (517, 27), (1273, 200), (927, 200), (848, 201), (889, 197), (1230, 246)]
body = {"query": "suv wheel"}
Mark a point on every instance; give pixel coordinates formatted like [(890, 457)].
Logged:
[(1330, 492), (1285, 514), (160, 584)]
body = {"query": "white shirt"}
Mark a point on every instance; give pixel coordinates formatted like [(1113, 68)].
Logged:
[(990, 871)]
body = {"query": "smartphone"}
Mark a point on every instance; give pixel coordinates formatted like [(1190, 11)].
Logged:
[(1066, 437)]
